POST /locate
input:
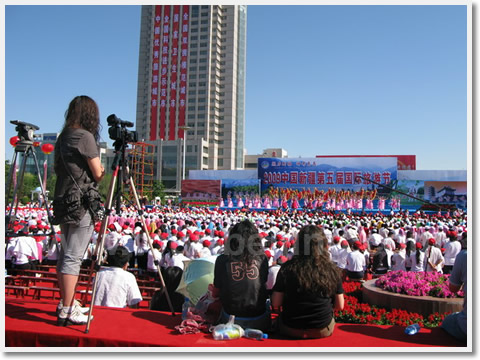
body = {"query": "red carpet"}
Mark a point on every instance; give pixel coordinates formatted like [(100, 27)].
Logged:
[(32, 324)]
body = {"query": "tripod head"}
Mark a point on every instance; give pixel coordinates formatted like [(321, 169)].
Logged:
[(25, 133)]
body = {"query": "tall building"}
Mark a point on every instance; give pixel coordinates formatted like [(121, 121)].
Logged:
[(191, 85)]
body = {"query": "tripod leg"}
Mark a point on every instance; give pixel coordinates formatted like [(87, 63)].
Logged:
[(13, 169), (150, 243), (43, 188), (97, 257)]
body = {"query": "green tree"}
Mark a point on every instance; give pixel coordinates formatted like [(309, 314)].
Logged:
[(51, 180), (158, 190), (104, 185)]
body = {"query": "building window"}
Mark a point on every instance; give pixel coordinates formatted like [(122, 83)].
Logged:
[(220, 162), (205, 161), (220, 152), (205, 150)]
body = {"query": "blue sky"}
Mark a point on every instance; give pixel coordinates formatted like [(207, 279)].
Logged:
[(331, 80)]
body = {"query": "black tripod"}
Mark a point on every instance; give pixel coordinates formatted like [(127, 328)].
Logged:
[(24, 146), (121, 173)]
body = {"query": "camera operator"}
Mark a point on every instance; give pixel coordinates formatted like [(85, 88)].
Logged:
[(77, 164)]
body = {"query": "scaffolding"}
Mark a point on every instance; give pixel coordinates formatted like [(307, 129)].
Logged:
[(142, 160)]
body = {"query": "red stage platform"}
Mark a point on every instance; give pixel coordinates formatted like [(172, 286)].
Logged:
[(32, 324)]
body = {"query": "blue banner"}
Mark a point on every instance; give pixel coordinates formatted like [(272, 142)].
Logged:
[(324, 173)]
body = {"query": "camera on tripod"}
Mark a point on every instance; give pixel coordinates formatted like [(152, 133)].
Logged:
[(26, 131), (118, 131)]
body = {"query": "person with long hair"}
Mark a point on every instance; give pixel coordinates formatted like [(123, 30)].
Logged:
[(408, 250), (241, 275), (77, 157), (417, 259), (308, 288)]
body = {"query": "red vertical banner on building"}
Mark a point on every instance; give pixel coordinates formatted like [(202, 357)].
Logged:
[(173, 72), (164, 68), (183, 69), (155, 72)]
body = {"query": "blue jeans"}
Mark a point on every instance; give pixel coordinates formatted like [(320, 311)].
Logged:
[(450, 325), (262, 322)]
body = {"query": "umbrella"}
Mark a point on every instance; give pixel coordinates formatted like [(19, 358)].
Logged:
[(196, 277)]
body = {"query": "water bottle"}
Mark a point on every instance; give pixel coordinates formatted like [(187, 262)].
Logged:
[(255, 334), (228, 331), (412, 329), (185, 306)]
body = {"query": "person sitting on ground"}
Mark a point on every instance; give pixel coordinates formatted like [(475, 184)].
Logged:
[(308, 288), (117, 287), (241, 275)]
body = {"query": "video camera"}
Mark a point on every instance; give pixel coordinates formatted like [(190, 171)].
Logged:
[(26, 131), (118, 131)]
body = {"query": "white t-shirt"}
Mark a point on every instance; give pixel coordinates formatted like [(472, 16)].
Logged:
[(355, 261), (272, 276), (116, 288), (413, 260), (452, 249), (150, 260)]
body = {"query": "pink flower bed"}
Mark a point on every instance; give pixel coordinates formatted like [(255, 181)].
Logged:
[(417, 284)]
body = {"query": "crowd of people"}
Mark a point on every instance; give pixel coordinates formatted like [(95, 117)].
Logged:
[(360, 246)]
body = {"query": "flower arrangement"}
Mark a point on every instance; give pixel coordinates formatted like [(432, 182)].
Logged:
[(356, 312), (411, 283)]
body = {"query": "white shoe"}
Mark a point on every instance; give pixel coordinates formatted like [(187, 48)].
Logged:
[(74, 318), (76, 303)]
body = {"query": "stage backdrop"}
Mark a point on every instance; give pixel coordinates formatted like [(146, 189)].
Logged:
[(447, 192), (325, 173), (201, 192), (234, 182)]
